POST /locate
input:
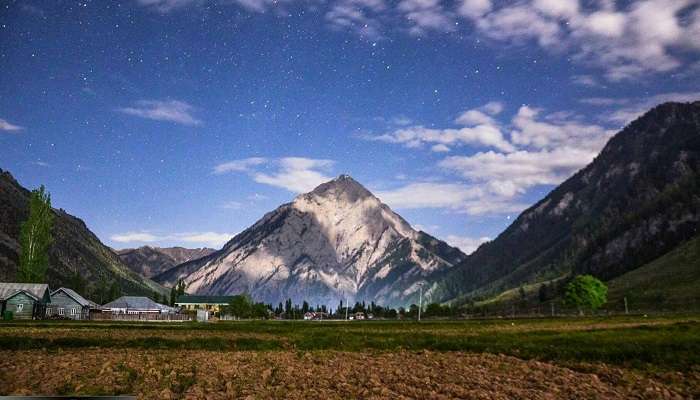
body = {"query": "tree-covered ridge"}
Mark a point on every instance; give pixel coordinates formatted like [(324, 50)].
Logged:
[(75, 250), (637, 200)]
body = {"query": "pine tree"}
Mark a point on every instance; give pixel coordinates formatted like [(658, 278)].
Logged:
[(35, 238), (115, 291)]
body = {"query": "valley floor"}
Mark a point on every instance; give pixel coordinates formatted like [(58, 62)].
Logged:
[(612, 358)]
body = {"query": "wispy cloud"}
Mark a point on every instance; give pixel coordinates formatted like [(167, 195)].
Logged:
[(5, 125), (479, 128), (176, 111), (426, 15), (631, 108), (359, 16), (209, 239), (624, 39), (465, 243), (239, 165), (296, 174), (166, 6), (542, 149)]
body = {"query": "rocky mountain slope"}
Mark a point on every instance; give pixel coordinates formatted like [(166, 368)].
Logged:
[(150, 261), (338, 240), (75, 248), (637, 200)]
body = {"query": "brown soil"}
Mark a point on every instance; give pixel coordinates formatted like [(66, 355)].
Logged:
[(163, 374)]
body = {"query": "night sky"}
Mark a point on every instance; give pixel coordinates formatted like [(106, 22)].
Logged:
[(181, 122)]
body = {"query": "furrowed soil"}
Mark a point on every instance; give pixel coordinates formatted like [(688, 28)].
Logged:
[(582, 358)]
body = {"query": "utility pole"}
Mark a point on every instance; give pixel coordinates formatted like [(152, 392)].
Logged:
[(346, 307), (626, 309), (552, 304), (420, 300)]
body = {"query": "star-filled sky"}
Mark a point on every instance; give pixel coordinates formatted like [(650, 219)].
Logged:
[(181, 122)]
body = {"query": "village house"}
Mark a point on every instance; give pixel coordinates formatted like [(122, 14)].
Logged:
[(137, 305), (315, 316), (213, 304), (68, 303), (24, 300)]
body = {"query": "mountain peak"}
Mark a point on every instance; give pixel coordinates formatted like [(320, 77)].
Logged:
[(343, 187)]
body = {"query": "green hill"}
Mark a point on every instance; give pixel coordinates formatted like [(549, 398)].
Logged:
[(669, 283)]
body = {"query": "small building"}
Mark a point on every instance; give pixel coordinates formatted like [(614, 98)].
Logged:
[(68, 303), (137, 305), (24, 300), (315, 316), (359, 315), (213, 304)]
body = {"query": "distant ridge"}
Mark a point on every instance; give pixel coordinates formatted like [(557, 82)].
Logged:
[(149, 261)]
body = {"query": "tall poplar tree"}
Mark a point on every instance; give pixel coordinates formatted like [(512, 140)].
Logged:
[(35, 238)]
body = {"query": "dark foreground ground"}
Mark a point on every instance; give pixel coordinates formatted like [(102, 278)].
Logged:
[(623, 357)]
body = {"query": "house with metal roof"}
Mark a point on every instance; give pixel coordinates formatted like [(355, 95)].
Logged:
[(208, 303), (24, 300), (66, 302), (137, 305)]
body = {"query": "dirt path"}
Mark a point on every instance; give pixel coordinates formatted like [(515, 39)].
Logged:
[(316, 375)]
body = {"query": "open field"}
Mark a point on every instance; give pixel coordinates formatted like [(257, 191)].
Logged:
[(618, 357)]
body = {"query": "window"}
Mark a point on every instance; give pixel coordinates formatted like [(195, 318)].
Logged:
[(73, 311), (60, 311), (20, 307)]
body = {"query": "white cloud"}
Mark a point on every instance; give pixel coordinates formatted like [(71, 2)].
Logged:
[(9, 127), (467, 244), (474, 199), (165, 6), (534, 132), (239, 165), (509, 175), (426, 15), (632, 108), (480, 130), (296, 174), (209, 239), (440, 148), (474, 117), (232, 205), (557, 8), (624, 39), (134, 237), (163, 110), (585, 80), (430, 195), (474, 8), (416, 136), (520, 23), (359, 16)]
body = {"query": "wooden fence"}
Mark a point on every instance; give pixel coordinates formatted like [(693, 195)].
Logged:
[(108, 316)]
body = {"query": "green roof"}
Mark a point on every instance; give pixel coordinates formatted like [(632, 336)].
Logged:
[(203, 299)]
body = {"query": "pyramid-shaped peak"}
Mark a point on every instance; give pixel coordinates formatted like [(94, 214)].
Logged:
[(344, 185)]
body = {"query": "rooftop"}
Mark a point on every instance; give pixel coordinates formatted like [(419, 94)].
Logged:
[(9, 289), (75, 296), (136, 303)]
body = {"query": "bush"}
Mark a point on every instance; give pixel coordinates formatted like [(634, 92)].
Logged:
[(586, 292), (8, 315)]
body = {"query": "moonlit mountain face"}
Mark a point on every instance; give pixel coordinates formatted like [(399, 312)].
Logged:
[(335, 242)]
